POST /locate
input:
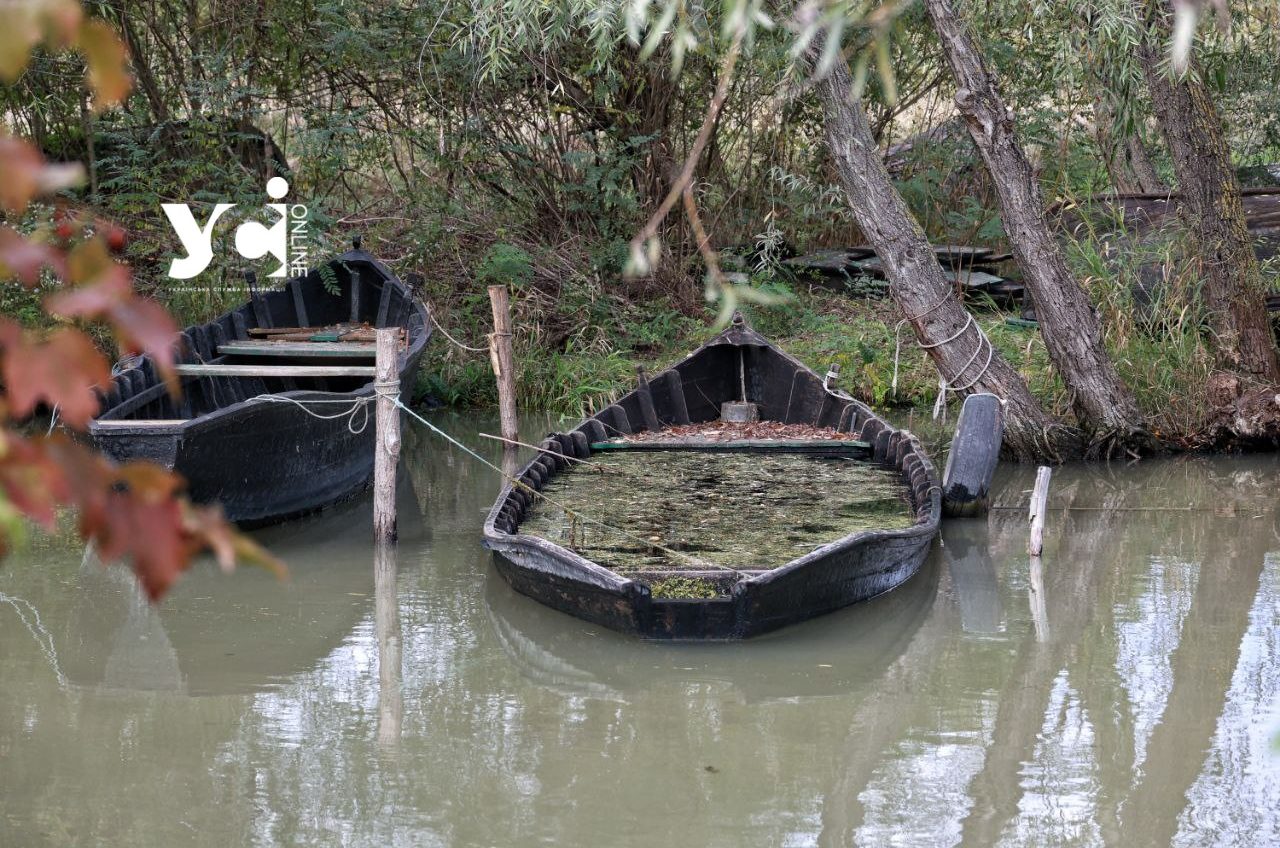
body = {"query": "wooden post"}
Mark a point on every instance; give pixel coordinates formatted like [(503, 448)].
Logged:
[(500, 355), (386, 451), (1039, 503)]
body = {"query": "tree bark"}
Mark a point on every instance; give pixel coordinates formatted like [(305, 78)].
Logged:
[(1211, 209), (1128, 162), (1068, 322), (1138, 160), (940, 322)]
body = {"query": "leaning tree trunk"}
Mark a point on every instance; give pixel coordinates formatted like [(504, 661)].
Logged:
[(1068, 322), (1124, 153), (959, 350), (1211, 208)]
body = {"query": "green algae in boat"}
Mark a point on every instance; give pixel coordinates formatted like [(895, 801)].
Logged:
[(674, 510)]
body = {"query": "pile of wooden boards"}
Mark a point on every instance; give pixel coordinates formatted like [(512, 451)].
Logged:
[(971, 269)]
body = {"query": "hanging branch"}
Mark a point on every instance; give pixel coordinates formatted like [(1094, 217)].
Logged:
[(644, 246)]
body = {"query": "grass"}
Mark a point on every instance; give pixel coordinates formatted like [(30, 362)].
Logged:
[(1160, 348)]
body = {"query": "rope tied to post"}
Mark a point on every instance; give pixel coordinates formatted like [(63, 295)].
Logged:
[(431, 313), (354, 406), (940, 404)]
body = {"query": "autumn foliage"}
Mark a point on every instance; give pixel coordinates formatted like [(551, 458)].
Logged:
[(136, 511)]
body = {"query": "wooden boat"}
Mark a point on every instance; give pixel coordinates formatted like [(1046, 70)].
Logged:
[(275, 418), (750, 601)]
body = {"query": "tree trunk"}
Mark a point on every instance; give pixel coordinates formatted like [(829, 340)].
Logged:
[(1128, 162), (955, 343), (141, 67), (1068, 322), (1211, 209), (1139, 162)]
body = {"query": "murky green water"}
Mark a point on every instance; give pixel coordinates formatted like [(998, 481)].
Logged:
[(1126, 693), (645, 511)]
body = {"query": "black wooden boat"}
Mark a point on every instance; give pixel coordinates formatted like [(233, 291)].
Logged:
[(836, 574), (271, 429)]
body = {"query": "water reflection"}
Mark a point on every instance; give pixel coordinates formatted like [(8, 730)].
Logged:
[(387, 616), (1124, 694), (838, 654), (218, 635)]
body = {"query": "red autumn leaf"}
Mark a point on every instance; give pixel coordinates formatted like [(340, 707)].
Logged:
[(31, 479), (90, 480), (61, 371), (207, 525), (92, 300), (141, 325), (21, 166), (107, 60), (149, 532), (23, 257), (132, 511), (89, 262), (62, 22), (149, 481), (20, 29)]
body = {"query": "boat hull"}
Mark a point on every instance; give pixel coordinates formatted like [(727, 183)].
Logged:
[(847, 570)]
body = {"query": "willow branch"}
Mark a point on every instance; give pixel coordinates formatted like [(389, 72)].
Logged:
[(685, 178)]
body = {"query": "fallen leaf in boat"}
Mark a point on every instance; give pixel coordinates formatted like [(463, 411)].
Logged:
[(727, 431)]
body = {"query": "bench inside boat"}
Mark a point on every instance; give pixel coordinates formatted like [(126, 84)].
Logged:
[(302, 338)]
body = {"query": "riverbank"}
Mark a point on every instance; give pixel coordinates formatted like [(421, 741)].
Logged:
[(577, 356)]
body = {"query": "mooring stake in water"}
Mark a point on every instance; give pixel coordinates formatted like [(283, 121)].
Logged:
[(503, 361), (386, 452), (1039, 505)]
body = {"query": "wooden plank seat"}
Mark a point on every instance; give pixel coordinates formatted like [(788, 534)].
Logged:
[(218, 369), (317, 350), (333, 333)]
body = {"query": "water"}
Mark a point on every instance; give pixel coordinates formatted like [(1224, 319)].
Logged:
[(1126, 693), (655, 511)]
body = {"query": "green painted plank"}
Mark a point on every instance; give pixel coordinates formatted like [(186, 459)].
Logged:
[(223, 370), (357, 350), (787, 445)]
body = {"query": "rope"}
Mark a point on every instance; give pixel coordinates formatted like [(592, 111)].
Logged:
[(566, 457), (897, 337), (431, 313), (940, 404), (572, 513), (353, 407)]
